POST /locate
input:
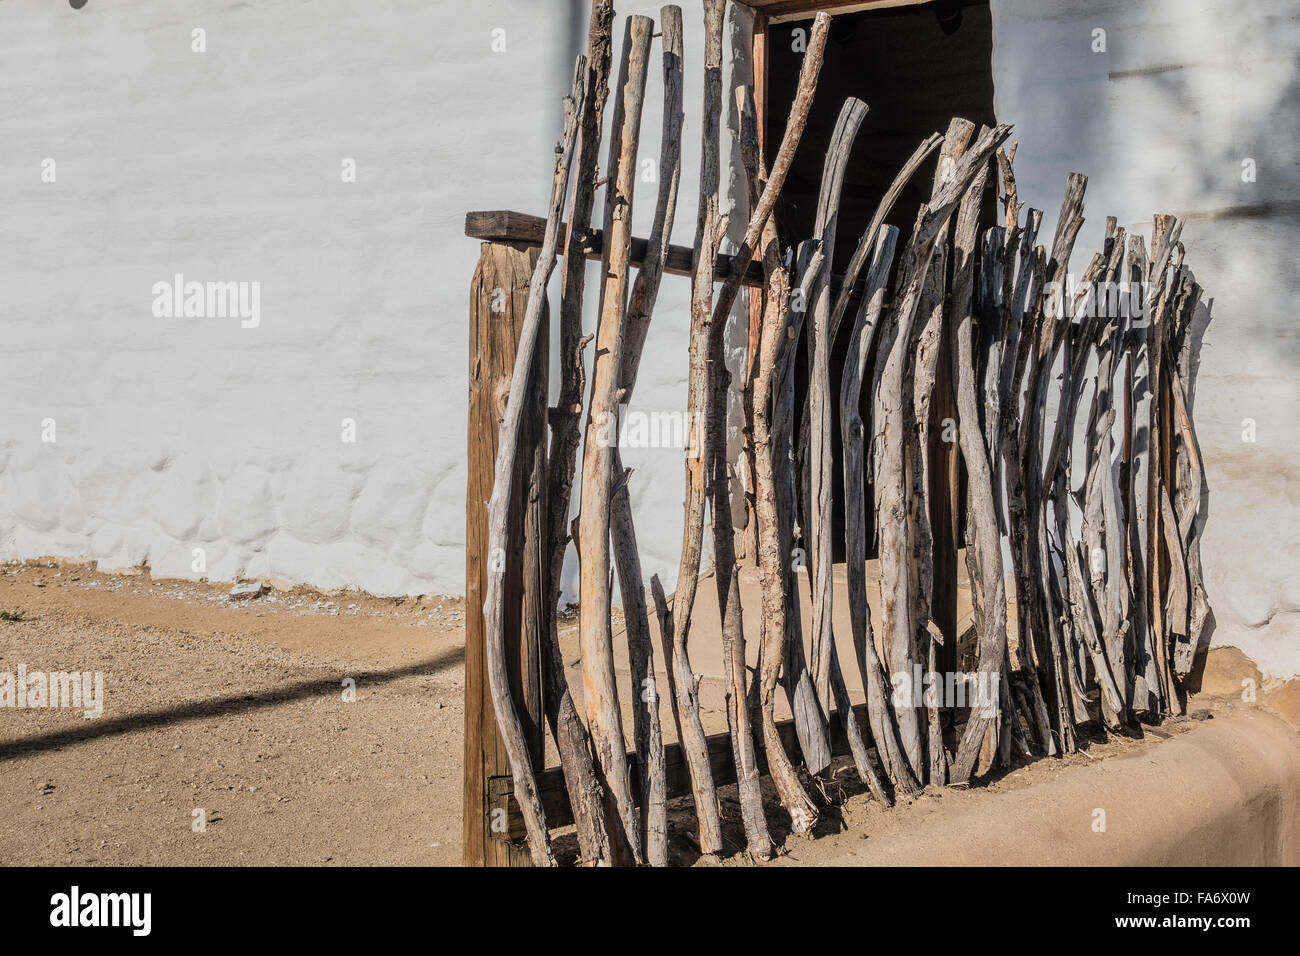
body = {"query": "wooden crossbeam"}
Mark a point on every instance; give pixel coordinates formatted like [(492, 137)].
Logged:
[(519, 228), (503, 225), (555, 799)]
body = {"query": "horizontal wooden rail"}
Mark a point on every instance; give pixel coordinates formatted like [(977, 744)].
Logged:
[(555, 799), (502, 225)]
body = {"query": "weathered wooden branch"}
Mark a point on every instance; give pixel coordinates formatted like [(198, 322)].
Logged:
[(867, 243), (898, 617), (810, 716), (1013, 421), (852, 112), (1041, 654), (826, 671), (929, 342), (645, 695), (726, 576), (920, 384), (503, 491), (1103, 532), (1145, 694), (1164, 237), (809, 71), (1074, 341), (567, 729), (708, 233), (759, 400), (645, 290), (1190, 488), (810, 720), (645, 702), (594, 632), (984, 541), (1177, 594), (1082, 624), (772, 559), (880, 713)]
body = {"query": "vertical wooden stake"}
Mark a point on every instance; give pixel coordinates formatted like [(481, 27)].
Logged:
[(498, 300), (758, 89), (594, 630)]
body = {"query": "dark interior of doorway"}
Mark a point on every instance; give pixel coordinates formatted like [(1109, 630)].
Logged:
[(915, 67)]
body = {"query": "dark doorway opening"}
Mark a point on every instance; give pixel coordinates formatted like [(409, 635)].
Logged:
[(915, 67)]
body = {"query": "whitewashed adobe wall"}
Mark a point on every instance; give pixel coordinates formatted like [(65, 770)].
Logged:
[(1191, 108), (178, 433), (128, 436)]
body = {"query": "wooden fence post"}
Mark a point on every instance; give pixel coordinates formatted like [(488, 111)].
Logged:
[(498, 300)]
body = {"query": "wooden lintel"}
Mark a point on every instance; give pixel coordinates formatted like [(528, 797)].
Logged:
[(503, 225), (781, 10)]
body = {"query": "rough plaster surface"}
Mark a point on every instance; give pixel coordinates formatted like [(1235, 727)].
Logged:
[(173, 434)]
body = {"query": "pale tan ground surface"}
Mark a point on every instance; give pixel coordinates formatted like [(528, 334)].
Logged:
[(238, 709)]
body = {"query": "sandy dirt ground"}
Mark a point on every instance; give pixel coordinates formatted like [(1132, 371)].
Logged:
[(239, 710)]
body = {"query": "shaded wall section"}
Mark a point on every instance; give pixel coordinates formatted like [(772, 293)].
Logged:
[(1163, 115)]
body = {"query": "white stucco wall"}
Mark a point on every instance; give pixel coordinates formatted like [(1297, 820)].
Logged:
[(1161, 122), (174, 434)]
